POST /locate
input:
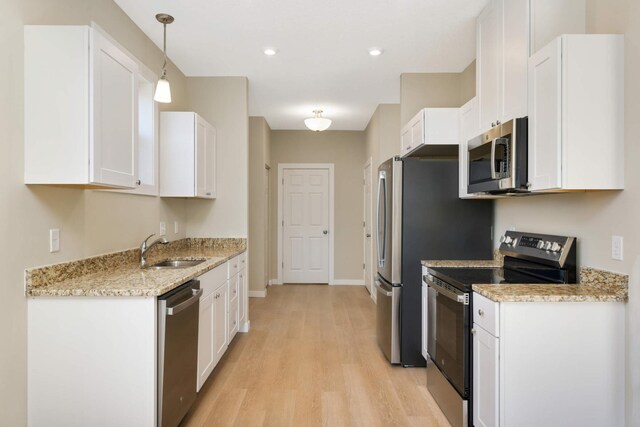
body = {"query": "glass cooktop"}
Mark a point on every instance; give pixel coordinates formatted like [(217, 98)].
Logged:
[(465, 277)]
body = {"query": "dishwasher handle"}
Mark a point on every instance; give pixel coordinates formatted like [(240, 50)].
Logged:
[(183, 305)]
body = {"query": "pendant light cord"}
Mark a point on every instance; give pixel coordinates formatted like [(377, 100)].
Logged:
[(164, 65)]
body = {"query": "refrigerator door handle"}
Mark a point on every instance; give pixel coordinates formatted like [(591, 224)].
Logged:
[(382, 199)]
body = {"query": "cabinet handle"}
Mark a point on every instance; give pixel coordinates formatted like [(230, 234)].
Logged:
[(234, 291), (497, 122), (209, 193), (481, 312), (408, 147), (473, 331), (138, 182), (493, 124)]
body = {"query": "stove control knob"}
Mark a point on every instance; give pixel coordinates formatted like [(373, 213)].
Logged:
[(547, 246), (540, 244), (555, 247), (514, 243), (508, 240), (502, 238)]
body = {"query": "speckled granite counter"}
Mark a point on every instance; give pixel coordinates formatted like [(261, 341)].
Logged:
[(595, 286), (119, 273)]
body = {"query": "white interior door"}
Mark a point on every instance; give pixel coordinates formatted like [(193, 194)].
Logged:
[(305, 215), (368, 279), (267, 224)]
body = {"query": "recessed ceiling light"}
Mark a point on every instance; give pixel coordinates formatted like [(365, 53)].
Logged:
[(375, 52), (269, 51)]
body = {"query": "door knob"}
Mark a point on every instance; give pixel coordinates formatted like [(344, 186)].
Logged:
[(325, 231), (368, 235)]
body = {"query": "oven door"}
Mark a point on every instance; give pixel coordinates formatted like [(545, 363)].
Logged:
[(448, 337)]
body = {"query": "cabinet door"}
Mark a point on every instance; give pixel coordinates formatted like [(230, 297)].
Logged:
[(114, 121), (545, 106), (417, 131), (486, 396), (515, 56), (242, 298), (405, 140), (206, 360), (221, 307), (210, 163), (233, 319), (488, 70), (201, 156)]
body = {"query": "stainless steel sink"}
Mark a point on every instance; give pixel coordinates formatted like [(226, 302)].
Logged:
[(176, 263)]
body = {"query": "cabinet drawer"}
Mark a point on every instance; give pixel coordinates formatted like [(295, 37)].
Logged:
[(212, 279), (486, 314), (233, 289), (233, 267)]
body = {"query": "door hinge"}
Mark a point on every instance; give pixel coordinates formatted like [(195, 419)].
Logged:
[(364, 266), (364, 224), (283, 222), (282, 181), (282, 264)]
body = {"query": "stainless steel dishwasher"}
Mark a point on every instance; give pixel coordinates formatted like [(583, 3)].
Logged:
[(178, 312)]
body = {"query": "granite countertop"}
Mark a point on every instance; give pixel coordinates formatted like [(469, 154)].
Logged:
[(594, 286), (119, 273)]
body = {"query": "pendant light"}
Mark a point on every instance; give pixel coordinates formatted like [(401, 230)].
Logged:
[(317, 123), (163, 90)]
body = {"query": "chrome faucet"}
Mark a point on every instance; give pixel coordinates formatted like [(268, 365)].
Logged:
[(144, 248)]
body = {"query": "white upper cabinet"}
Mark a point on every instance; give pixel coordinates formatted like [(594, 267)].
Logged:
[(430, 127), (187, 156), (507, 32), (81, 108), (576, 114)]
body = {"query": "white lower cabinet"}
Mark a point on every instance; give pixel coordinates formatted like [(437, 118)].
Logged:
[(548, 363), (206, 360), (222, 304), (220, 314)]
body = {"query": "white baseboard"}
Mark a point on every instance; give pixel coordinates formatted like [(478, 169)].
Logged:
[(348, 282), (273, 282), (258, 294), (245, 326)]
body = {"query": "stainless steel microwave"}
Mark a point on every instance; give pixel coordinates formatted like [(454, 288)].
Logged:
[(497, 161)]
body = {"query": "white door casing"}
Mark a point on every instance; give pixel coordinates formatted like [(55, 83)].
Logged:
[(367, 236), (305, 218)]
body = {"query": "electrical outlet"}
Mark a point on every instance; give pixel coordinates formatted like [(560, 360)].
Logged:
[(54, 240), (176, 227), (617, 248), (163, 228)]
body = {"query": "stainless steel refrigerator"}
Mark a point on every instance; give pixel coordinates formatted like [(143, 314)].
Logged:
[(420, 217)]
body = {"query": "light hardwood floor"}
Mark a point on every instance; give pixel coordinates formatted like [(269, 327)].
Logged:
[(311, 358)]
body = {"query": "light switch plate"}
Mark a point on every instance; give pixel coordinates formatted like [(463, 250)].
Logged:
[(617, 248), (54, 240), (163, 228)]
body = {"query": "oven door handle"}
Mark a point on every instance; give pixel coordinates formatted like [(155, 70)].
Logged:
[(461, 297)]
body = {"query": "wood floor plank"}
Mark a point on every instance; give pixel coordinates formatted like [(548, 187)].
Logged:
[(311, 358)]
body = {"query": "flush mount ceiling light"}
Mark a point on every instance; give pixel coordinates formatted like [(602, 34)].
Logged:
[(317, 123), (163, 90), (270, 51), (375, 51)]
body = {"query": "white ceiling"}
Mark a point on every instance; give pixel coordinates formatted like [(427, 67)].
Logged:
[(322, 59)]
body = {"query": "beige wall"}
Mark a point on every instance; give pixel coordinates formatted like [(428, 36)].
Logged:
[(90, 222), (346, 150), (223, 102), (259, 147), (594, 217), (468, 83), (437, 90)]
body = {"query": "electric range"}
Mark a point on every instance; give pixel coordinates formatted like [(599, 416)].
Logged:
[(529, 258)]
